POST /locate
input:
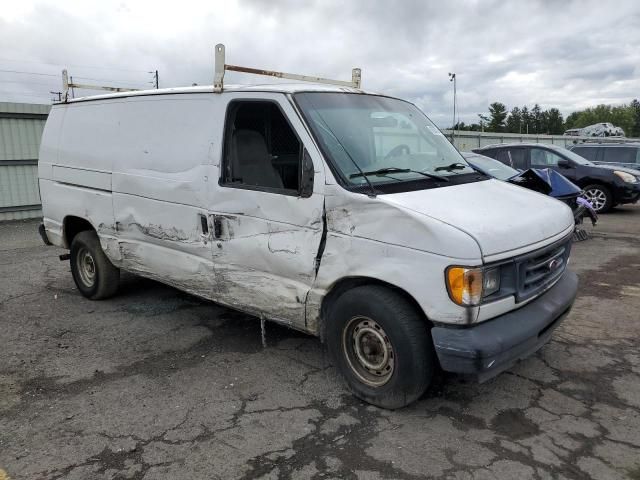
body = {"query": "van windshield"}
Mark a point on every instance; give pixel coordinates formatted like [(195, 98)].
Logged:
[(381, 140)]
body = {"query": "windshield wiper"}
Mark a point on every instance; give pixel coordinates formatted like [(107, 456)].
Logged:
[(385, 171), (451, 167)]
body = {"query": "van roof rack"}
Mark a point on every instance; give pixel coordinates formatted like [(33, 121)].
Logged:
[(221, 67), (69, 84)]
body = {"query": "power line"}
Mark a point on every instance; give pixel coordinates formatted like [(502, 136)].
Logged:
[(107, 80), (21, 82), (30, 73), (131, 83), (22, 93), (74, 66)]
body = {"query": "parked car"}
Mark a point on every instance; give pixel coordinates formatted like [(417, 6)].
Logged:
[(341, 213), (620, 154), (603, 129), (604, 186), (573, 132), (546, 181)]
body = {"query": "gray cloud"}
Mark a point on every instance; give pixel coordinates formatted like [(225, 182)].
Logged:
[(567, 55)]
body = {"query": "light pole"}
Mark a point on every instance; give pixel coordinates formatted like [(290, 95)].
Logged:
[(452, 78)]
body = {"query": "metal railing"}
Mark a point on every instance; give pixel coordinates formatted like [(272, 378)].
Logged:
[(466, 141)]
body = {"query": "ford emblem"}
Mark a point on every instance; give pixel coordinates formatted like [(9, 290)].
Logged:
[(554, 264)]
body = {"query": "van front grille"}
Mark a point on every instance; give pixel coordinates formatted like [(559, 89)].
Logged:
[(540, 269)]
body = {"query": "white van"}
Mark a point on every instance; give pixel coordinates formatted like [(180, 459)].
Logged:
[(341, 213)]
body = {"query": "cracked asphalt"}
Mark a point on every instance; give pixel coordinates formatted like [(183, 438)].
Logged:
[(156, 384)]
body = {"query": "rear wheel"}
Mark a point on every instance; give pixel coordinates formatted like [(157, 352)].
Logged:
[(381, 345), (600, 197), (93, 273)]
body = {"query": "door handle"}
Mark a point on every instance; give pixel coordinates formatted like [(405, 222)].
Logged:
[(217, 226), (204, 227)]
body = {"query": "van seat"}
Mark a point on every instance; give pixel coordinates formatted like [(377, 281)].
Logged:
[(251, 161)]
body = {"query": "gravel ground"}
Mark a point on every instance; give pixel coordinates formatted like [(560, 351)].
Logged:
[(157, 384)]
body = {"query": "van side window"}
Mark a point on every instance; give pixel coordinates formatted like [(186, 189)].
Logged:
[(261, 149)]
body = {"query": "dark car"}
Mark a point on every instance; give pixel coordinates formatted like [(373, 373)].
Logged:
[(620, 154), (605, 186)]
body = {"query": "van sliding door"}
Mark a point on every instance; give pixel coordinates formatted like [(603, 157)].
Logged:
[(161, 188)]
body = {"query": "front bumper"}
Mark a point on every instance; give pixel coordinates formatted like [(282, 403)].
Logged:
[(629, 194), (486, 349)]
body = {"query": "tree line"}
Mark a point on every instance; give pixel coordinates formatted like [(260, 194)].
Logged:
[(551, 122)]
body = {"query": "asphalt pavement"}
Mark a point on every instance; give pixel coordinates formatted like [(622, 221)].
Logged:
[(157, 384)]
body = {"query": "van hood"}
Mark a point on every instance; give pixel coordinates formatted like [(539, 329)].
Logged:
[(501, 217)]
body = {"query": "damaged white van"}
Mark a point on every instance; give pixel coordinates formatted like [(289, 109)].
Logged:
[(341, 213)]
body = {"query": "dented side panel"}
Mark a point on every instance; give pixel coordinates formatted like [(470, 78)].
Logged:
[(265, 256), (412, 254), (161, 189)]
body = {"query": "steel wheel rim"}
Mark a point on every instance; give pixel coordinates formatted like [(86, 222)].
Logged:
[(86, 267), (368, 351), (597, 198)]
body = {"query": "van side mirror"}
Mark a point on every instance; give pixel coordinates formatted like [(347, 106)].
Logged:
[(564, 163), (306, 175)]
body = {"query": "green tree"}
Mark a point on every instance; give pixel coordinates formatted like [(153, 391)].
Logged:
[(572, 121), (484, 122), (555, 122), (620, 115), (536, 116), (635, 111), (526, 120), (514, 121), (497, 116)]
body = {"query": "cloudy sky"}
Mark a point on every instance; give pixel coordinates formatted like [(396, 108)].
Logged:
[(569, 54)]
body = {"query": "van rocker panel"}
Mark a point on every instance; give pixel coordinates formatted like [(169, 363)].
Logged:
[(489, 348)]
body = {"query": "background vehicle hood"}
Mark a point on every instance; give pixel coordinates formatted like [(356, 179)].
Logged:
[(620, 169), (501, 217)]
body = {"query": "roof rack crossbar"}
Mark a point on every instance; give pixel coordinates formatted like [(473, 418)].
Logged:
[(221, 67), (67, 85)]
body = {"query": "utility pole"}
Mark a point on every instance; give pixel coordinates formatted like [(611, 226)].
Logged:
[(156, 81), (452, 78)]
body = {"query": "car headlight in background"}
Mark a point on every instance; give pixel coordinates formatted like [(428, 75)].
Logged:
[(625, 177), (468, 286)]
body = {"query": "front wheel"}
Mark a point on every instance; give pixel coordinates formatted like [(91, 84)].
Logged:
[(600, 197), (93, 273), (381, 345)]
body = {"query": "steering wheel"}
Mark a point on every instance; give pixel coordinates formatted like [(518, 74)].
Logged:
[(398, 150)]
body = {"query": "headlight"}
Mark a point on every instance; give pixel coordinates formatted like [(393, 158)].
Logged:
[(468, 286), (490, 281), (625, 177)]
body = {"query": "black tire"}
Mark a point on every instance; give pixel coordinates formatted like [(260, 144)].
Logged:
[(599, 196), (94, 275), (372, 313)]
